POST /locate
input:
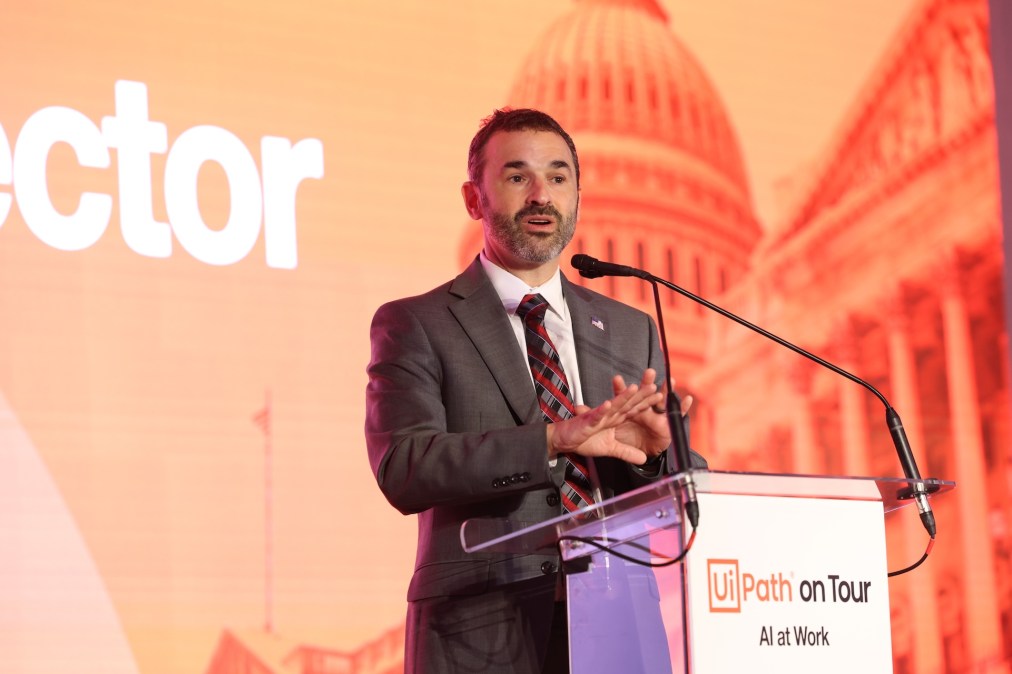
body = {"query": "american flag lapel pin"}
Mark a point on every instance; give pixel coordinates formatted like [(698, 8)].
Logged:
[(597, 323)]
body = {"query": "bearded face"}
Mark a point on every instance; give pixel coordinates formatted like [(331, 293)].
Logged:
[(528, 198), (512, 232)]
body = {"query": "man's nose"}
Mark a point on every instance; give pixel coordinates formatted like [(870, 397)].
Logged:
[(539, 193)]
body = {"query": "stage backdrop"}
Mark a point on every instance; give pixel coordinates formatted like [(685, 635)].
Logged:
[(202, 204)]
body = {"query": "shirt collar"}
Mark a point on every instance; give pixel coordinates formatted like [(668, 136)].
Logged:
[(511, 289)]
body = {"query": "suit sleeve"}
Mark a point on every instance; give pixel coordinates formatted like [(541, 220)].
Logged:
[(417, 462)]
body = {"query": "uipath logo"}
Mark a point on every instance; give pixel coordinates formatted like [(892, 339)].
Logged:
[(723, 585), (259, 195), (729, 588)]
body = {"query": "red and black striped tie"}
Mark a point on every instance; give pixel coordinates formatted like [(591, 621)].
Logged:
[(554, 396)]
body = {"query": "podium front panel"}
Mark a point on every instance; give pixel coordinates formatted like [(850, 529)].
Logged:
[(788, 585)]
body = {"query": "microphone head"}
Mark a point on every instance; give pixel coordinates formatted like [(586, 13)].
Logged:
[(586, 265)]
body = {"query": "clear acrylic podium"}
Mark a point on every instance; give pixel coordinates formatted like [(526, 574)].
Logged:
[(768, 569)]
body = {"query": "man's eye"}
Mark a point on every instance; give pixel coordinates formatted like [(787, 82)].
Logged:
[(516, 179), (559, 179)]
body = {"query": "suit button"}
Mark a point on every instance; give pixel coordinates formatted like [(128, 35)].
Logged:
[(514, 478), (553, 500), (496, 483), (524, 477), (548, 568)]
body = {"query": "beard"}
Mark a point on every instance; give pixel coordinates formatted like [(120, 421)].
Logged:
[(508, 232)]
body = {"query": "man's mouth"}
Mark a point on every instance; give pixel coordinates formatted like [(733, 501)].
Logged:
[(538, 217)]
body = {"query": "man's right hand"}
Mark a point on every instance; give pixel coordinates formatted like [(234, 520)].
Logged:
[(592, 431)]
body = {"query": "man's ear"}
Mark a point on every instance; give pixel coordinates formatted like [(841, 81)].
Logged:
[(472, 200)]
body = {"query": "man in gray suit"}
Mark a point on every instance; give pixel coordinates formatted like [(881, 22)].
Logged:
[(454, 424)]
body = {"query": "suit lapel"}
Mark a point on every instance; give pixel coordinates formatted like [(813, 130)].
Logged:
[(593, 344), (480, 314)]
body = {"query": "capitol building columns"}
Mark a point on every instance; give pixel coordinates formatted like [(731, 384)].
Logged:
[(928, 655), (806, 451), (852, 399), (903, 372), (954, 612), (982, 628)]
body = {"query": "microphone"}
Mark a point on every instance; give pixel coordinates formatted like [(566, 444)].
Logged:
[(591, 267), (917, 491)]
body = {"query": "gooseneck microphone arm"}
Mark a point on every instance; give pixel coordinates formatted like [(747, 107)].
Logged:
[(592, 268)]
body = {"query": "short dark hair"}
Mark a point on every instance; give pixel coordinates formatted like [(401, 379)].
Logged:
[(507, 119)]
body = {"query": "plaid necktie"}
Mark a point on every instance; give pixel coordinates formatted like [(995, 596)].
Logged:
[(554, 396)]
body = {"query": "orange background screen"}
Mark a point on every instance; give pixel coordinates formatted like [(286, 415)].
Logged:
[(182, 445)]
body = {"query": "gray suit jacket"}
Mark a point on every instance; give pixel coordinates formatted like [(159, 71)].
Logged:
[(451, 416)]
